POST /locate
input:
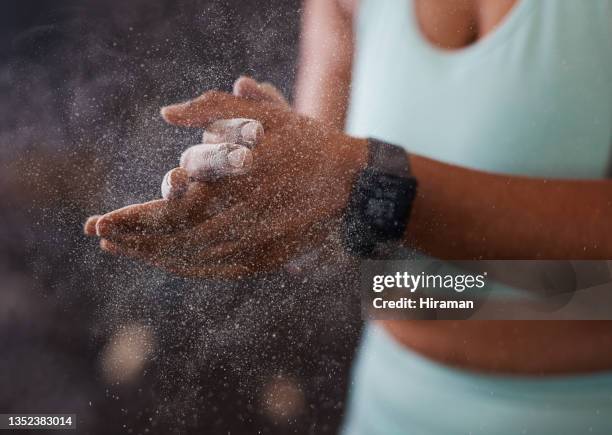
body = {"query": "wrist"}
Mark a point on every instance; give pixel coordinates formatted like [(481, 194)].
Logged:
[(357, 153), (352, 156), (380, 199), (352, 153)]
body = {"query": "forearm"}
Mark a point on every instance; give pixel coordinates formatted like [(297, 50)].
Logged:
[(466, 214), (324, 75)]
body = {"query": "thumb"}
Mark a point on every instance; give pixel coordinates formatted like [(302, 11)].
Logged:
[(246, 87), (214, 105)]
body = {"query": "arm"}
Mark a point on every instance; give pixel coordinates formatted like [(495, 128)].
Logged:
[(326, 49), (460, 213), (299, 186), (466, 214)]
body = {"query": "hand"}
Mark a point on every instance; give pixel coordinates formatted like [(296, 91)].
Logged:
[(237, 136), (291, 199), (226, 144)]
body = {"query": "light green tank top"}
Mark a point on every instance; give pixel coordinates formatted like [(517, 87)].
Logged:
[(534, 97)]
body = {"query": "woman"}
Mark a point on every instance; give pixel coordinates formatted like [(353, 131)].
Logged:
[(504, 108)]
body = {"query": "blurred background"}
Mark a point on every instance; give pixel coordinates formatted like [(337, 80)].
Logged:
[(127, 348)]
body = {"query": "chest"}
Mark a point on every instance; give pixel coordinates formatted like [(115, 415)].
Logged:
[(532, 97), (454, 24)]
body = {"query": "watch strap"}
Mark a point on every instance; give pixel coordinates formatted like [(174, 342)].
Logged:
[(387, 158), (380, 201)]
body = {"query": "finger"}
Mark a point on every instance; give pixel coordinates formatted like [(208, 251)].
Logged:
[(156, 247), (197, 267), (137, 247), (189, 256), (240, 227), (250, 222), (135, 218), (190, 243), (175, 183), (203, 163), (110, 247), (200, 202), (246, 87), (158, 259), (167, 263), (158, 216), (183, 267), (247, 132), (207, 162), (183, 221), (141, 246), (214, 105), (90, 225)]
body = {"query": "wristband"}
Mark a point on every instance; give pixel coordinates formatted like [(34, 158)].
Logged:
[(380, 201)]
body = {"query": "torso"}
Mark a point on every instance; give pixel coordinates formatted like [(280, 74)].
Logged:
[(501, 346), (521, 347)]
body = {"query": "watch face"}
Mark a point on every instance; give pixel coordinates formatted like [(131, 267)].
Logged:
[(383, 193), (381, 211), (380, 206)]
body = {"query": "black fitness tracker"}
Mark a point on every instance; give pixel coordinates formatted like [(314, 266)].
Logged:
[(381, 199)]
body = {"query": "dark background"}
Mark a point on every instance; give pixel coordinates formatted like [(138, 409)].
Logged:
[(128, 348)]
